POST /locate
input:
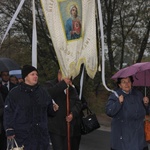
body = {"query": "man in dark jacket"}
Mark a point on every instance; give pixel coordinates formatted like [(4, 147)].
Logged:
[(25, 112), (5, 87), (58, 123)]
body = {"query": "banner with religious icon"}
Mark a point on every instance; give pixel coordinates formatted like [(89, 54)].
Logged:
[(72, 28)]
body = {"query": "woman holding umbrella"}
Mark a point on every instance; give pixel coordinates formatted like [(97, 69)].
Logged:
[(128, 111)]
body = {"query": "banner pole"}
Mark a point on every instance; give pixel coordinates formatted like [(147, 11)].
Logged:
[(68, 123)]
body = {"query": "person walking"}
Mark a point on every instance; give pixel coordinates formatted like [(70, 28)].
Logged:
[(128, 111), (58, 123), (25, 112), (5, 87), (13, 79)]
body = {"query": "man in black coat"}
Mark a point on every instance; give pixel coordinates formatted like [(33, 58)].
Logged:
[(58, 123), (5, 84), (25, 112)]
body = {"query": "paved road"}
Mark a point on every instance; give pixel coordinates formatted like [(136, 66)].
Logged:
[(97, 140)]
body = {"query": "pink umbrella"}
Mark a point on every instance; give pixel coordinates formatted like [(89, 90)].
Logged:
[(139, 71), (142, 79)]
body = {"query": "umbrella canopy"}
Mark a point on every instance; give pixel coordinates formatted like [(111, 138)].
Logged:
[(16, 73), (7, 64), (139, 71)]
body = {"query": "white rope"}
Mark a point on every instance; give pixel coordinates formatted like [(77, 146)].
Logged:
[(13, 20), (34, 38), (103, 54), (81, 83)]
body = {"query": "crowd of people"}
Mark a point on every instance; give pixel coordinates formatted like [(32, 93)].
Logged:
[(5, 86), (35, 115)]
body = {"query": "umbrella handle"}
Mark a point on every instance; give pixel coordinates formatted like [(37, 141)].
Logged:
[(145, 91)]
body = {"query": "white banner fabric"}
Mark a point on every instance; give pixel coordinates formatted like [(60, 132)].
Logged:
[(72, 28)]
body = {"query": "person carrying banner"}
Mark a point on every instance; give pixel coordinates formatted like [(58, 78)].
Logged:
[(58, 123)]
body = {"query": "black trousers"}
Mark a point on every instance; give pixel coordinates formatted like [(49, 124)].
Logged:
[(60, 142), (3, 140), (146, 148)]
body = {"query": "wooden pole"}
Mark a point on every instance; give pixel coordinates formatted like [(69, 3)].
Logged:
[(68, 123)]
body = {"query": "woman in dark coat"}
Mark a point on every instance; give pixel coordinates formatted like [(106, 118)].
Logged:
[(58, 123), (25, 113), (127, 112)]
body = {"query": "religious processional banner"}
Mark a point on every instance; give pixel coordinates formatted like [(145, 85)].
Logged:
[(72, 28)]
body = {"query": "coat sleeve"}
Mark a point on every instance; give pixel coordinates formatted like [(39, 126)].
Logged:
[(113, 106), (9, 115), (50, 109), (77, 104), (54, 89)]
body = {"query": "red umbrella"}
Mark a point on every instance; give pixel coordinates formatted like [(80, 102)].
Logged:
[(139, 71)]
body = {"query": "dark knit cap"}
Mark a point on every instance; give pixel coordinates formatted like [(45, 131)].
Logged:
[(27, 69)]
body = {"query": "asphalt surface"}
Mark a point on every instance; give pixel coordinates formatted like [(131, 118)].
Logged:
[(96, 140)]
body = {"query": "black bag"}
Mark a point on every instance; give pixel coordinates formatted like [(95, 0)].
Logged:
[(89, 122)]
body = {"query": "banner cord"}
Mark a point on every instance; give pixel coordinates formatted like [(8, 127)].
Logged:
[(103, 53), (12, 20)]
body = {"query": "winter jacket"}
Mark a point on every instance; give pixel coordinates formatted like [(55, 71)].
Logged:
[(57, 124), (127, 128), (25, 116), (4, 90)]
